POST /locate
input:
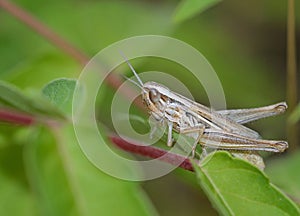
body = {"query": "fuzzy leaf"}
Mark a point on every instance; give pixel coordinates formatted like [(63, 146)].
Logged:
[(60, 93)]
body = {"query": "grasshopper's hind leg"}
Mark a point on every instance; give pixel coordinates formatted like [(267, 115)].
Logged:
[(243, 116), (234, 142)]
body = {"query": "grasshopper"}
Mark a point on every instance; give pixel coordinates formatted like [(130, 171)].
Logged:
[(221, 130)]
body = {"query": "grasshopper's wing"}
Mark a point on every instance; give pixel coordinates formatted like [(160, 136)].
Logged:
[(243, 116), (214, 120), (218, 120)]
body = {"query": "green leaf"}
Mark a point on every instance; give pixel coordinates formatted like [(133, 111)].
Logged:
[(285, 173), (188, 8), (66, 183), (15, 195), (15, 198), (60, 93), (237, 188), (52, 64), (12, 97)]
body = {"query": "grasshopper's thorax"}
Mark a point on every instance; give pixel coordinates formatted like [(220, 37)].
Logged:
[(163, 104)]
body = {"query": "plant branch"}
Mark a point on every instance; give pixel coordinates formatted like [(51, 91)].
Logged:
[(291, 73), (15, 117), (152, 152), (19, 118)]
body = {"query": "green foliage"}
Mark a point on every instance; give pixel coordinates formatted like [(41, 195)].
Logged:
[(16, 195), (234, 186), (36, 71), (43, 171), (11, 96), (237, 188), (57, 179), (188, 8), (60, 93), (66, 183), (15, 198), (29, 60)]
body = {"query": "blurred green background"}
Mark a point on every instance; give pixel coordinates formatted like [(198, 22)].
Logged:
[(245, 42)]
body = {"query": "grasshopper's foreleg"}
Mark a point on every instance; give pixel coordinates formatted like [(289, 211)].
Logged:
[(170, 138), (243, 116), (155, 124), (199, 130), (152, 132)]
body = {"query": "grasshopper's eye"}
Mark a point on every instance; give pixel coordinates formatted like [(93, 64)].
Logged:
[(154, 95)]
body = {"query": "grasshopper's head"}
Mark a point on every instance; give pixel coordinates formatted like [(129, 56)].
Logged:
[(155, 98), (154, 95)]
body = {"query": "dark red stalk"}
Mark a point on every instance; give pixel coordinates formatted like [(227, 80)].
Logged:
[(16, 117), (152, 152)]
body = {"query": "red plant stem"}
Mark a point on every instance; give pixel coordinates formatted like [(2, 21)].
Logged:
[(152, 152), (147, 151), (16, 117)]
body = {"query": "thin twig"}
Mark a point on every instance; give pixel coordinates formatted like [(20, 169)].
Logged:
[(152, 152), (15, 117), (19, 118), (291, 73)]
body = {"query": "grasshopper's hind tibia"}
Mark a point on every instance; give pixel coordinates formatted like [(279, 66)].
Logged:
[(229, 141)]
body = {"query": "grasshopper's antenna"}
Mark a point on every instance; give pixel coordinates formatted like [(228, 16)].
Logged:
[(130, 80), (132, 69)]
